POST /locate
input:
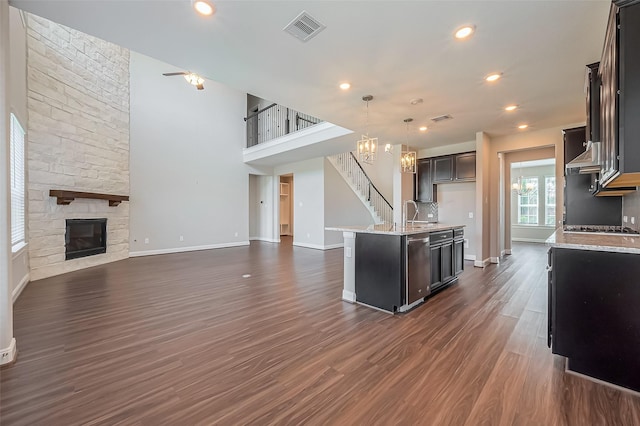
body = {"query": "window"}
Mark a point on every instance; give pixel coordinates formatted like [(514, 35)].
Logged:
[(17, 182), (528, 203), (549, 200)]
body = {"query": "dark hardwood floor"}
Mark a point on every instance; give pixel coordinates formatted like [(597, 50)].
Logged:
[(184, 339)]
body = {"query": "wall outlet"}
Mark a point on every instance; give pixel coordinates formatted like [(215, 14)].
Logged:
[(347, 252), (236, 234), (146, 240), (308, 235), (181, 237), (633, 220), (466, 243), (625, 219), (430, 215), (300, 203), (470, 215)]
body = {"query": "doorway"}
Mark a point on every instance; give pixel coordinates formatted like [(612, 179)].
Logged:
[(530, 196), (286, 205)]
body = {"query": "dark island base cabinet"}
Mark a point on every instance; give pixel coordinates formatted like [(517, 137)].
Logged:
[(394, 272), (593, 313)]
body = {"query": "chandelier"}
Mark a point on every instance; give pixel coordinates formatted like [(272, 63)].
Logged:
[(366, 146), (520, 187), (408, 158)]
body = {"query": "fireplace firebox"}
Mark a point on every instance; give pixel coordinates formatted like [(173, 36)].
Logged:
[(85, 237)]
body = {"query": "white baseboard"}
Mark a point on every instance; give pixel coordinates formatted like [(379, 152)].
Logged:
[(529, 240), (318, 246), (503, 252), (184, 249), (21, 285), (482, 263), (507, 251), (266, 240), (469, 257), (348, 296), (494, 259), (8, 355)]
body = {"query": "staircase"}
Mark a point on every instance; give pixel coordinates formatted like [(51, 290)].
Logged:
[(348, 166)]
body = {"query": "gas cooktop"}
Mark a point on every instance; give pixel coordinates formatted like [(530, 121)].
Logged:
[(600, 229)]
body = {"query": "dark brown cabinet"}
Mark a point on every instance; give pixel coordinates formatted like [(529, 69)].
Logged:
[(592, 310), (425, 191), (443, 169), (465, 167), (444, 257), (458, 252), (619, 73)]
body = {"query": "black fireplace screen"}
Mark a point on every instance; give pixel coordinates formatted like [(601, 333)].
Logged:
[(85, 237)]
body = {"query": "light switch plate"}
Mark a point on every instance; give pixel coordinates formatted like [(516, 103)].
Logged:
[(470, 215), (347, 252)]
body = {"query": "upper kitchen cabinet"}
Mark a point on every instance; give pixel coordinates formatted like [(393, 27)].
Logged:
[(425, 191), (465, 167), (454, 168), (443, 169), (620, 97)]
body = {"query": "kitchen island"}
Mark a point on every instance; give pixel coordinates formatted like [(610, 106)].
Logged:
[(594, 296), (394, 268)]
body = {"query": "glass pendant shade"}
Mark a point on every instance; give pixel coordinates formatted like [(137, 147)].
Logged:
[(408, 162)]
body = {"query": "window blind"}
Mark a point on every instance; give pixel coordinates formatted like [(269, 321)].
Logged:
[(17, 182)]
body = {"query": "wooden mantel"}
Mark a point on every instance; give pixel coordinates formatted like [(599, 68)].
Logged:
[(66, 197)]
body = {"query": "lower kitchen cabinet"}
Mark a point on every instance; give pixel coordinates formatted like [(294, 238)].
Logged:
[(593, 320), (458, 256)]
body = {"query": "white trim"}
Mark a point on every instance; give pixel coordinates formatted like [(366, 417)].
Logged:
[(529, 240), (267, 240), (318, 246), (494, 259), (507, 251), (469, 257), (184, 249), (18, 290), (8, 355), (348, 296), (481, 263), (502, 253), (334, 246), (18, 248)]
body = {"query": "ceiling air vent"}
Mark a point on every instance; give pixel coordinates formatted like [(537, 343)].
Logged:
[(442, 118), (304, 27)]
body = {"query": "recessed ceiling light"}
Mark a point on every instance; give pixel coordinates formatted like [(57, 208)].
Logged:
[(493, 77), (423, 128), (416, 101), (510, 108), (523, 126), (345, 86), (203, 7), (465, 32)]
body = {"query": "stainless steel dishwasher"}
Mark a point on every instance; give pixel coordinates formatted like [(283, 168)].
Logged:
[(418, 268)]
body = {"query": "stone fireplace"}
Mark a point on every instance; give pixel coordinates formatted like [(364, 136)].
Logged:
[(77, 140)]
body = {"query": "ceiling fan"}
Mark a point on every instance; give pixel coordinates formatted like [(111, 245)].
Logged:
[(191, 77)]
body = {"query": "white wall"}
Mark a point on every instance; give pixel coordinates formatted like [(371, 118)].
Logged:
[(381, 171), (455, 202), (18, 105), (341, 206), (308, 201), (187, 174)]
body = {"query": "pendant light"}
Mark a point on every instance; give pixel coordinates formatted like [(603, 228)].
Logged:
[(408, 158), (518, 185), (367, 147)]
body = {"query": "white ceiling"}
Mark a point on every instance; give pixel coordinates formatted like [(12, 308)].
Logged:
[(393, 50)]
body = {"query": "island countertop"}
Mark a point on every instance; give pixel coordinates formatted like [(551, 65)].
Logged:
[(620, 243), (393, 229)]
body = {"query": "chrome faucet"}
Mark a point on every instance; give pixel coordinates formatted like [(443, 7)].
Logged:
[(404, 212)]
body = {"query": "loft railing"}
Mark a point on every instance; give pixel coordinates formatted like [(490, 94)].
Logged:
[(275, 121), (363, 184)]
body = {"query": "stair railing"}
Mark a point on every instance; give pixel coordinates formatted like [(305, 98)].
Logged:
[(274, 121), (352, 167)]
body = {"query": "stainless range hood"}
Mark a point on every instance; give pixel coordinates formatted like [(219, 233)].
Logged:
[(589, 161)]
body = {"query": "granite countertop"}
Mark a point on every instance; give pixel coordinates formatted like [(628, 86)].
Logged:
[(621, 243), (394, 230)]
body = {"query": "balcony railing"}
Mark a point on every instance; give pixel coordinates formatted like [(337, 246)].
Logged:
[(275, 121)]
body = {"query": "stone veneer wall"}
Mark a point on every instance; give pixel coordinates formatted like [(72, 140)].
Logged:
[(77, 139)]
